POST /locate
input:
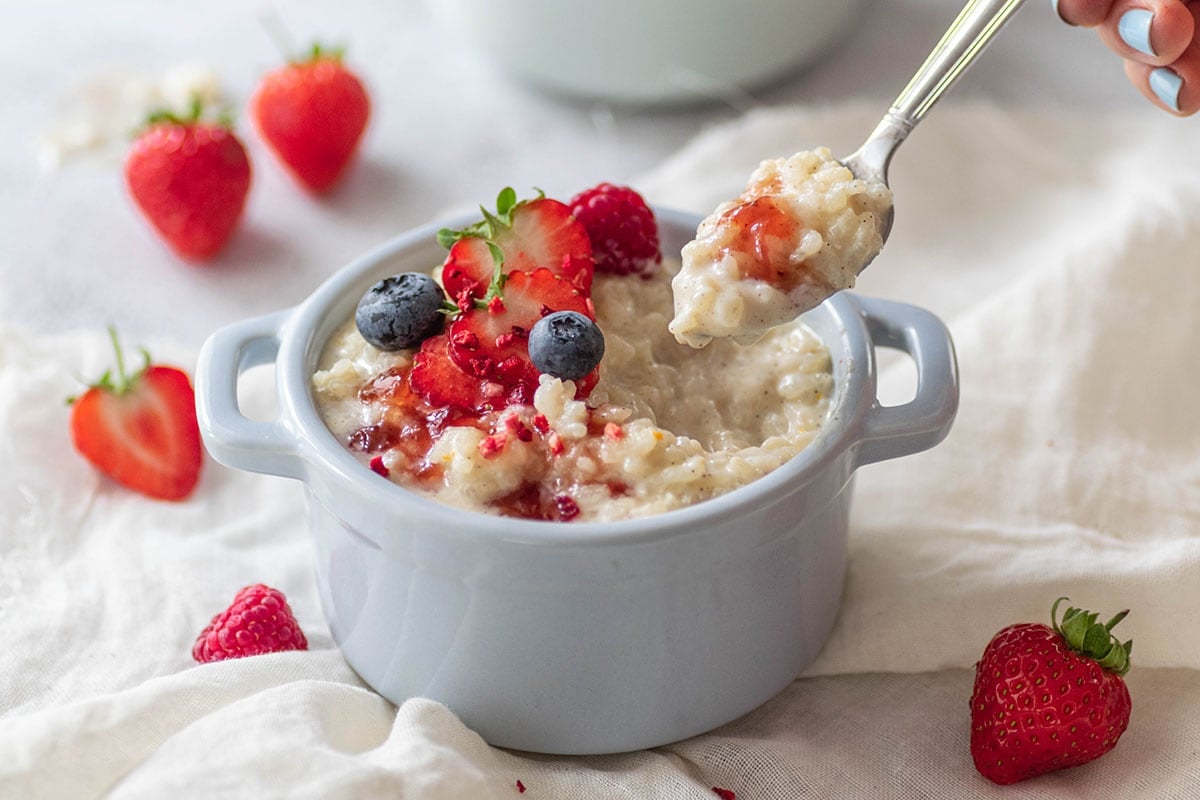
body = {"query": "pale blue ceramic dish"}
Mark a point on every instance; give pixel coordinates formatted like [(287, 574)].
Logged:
[(568, 637)]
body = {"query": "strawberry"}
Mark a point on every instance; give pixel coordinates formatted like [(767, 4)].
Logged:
[(1047, 697), (529, 234), (258, 621), (190, 179), (437, 378), (491, 342), (312, 113), (141, 429)]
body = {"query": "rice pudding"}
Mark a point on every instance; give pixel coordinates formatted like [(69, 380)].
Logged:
[(801, 230), (665, 426)]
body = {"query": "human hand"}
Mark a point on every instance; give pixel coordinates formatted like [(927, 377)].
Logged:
[(1158, 39)]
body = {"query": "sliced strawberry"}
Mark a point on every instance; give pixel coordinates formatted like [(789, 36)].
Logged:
[(544, 234), (531, 234), (468, 268), (492, 343), (442, 382), (141, 429)]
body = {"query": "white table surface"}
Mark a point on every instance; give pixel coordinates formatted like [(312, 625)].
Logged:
[(448, 131)]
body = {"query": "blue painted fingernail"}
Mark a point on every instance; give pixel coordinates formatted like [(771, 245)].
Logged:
[(1166, 84), (1134, 29)]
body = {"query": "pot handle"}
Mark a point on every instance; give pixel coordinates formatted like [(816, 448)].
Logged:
[(230, 436), (894, 431)]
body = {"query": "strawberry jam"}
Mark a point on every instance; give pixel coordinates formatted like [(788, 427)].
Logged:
[(764, 233), (530, 501), (408, 424), (411, 425)]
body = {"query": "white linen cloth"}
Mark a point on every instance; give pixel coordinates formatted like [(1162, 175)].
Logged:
[(1062, 252)]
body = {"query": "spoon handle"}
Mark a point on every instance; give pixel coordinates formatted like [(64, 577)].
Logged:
[(976, 25)]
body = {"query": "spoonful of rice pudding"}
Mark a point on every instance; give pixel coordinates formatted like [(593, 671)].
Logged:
[(805, 226)]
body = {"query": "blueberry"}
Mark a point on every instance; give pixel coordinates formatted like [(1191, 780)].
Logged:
[(400, 311), (566, 344)]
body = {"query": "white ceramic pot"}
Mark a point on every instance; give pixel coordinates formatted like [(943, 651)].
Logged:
[(647, 51), (577, 637)]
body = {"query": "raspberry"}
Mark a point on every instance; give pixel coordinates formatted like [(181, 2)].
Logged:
[(258, 621), (622, 228)]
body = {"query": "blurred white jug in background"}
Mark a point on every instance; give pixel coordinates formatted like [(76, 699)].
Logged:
[(649, 51)]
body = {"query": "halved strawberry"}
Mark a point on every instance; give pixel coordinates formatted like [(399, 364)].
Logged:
[(492, 342), (141, 429), (530, 234)]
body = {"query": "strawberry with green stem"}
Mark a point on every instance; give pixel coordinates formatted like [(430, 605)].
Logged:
[(312, 112), (529, 234), (140, 429), (1049, 697), (190, 178)]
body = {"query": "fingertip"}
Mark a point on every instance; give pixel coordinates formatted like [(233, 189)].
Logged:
[(1083, 13), (1153, 34), (1172, 31), (1175, 89)]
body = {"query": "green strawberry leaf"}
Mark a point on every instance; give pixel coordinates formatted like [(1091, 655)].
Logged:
[(1091, 639), (319, 51), (506, 201), (195, 113), (493, 223), (448, 236), (1097, 640), (496, 287), (1074, 627), (122, 381)]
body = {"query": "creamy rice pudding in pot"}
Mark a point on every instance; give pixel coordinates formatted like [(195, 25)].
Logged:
[(664, 427), (535, 377)]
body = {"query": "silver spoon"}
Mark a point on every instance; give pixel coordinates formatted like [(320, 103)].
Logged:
[(976, 25)]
